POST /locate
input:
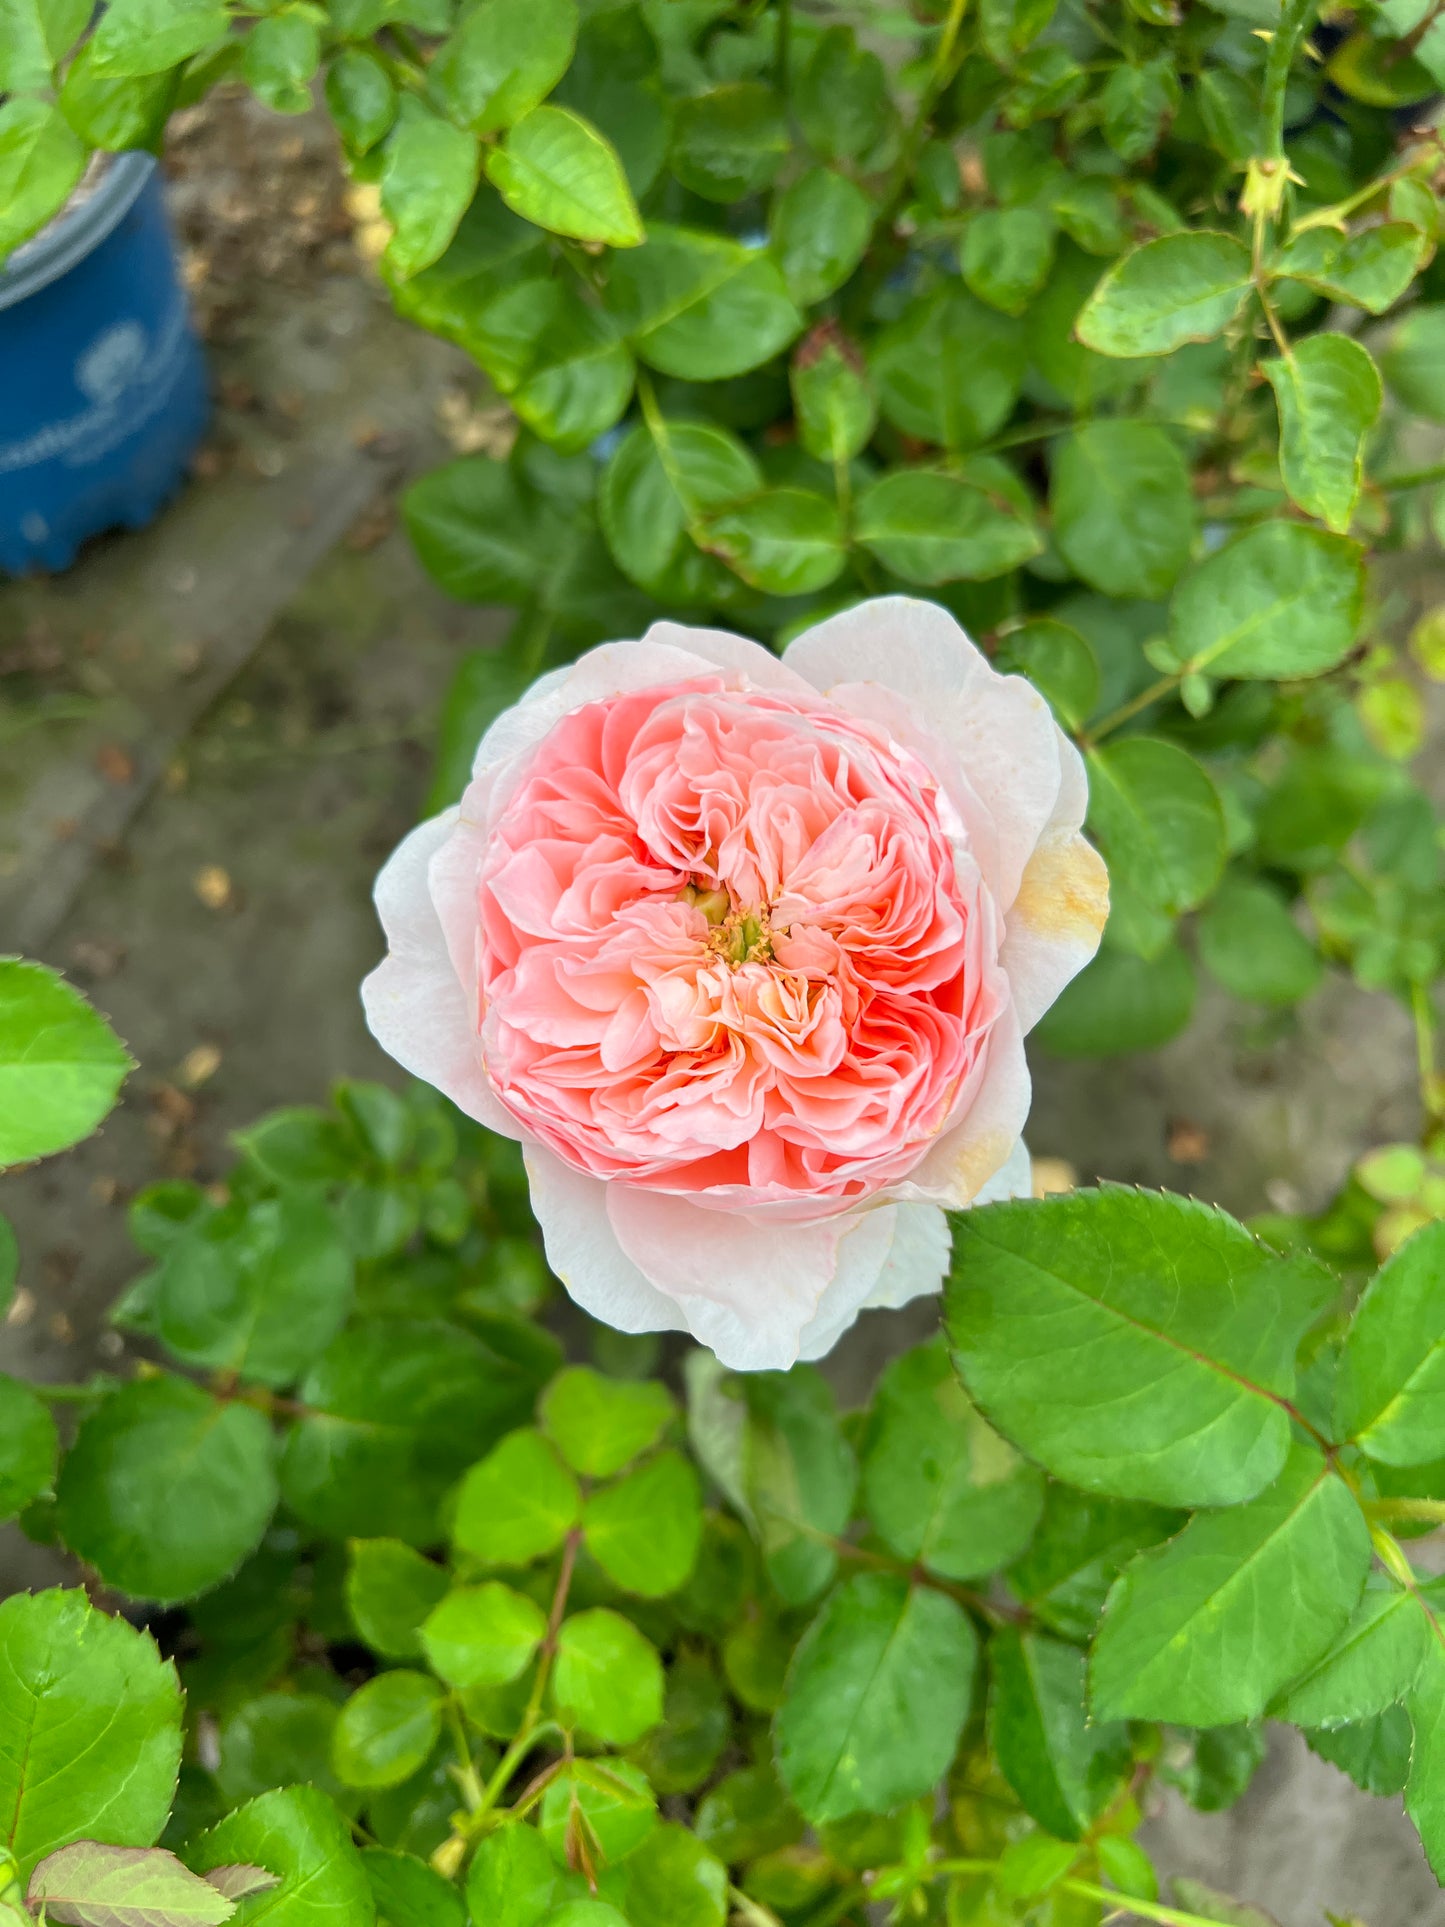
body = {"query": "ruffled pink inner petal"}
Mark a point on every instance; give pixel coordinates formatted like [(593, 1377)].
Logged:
[(727, 942)]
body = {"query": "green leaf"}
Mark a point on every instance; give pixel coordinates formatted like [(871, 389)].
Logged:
[(613, 82), (557, 171), (843, 102), (504, 59), (679, 1755), (876, 1698), (1207, 1629), (1132, 1343), (147, 36), (1370, 270), (114, 114), (603, 1806), (949, 369), (260, 1292), (1136, 101), (785, 541), (28, 1446), (701, 306), (386, 1731), (646, 521), (942, 1488), (1062, 1768), (295, 1832), (579, 380), (600, 1425), (482, 1635), (73, 1680), (360, 98), (832, 396), (1158, 819), (283, 52), (730, 141), (61, 1064), (820, 226), (1058, 662), (1280, 601), (299, 1145), (1251, 943), (1123, 507), (474, 532), (1181, 287), (1375, 1753), (747, 1815), (389, 1591), (429, 174), (396, 1410), (1081, 1546), (98, 1886), (1413, 362), (1371, 1666), (1006, 256), (930, 527), (166, 1489), (518, 1505), (26, 59), (276, 1739), (644, 1531), (1425, 1786), (409, 1893), (674, 1881), (1328, 394), (1121, 1002), (1390, 1388), (798, 1476), (606, 1677), (513, 1878)]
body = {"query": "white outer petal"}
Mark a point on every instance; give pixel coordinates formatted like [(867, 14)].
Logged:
[(582, 1248), (914, 1260), (416, 1008)]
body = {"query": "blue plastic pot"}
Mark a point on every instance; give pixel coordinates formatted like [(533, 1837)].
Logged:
[(102, 384)]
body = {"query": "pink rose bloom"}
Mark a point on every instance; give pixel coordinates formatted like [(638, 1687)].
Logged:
[(744, 951)]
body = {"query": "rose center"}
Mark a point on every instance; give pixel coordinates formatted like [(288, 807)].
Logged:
[(737, 935)]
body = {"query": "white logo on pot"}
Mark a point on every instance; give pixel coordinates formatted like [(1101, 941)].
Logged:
[(111, 362)]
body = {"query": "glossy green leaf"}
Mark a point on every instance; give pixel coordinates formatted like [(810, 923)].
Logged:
[(297, 1833), (929, 527), (578, 381), (1158, 819), (939, 1484), (876, 1698), (1413, 361), (1181, 287), (680, 1755), (1375, 1753), (429, 174), (1390, 1389), (1133, 1343), (1136, 102), (1251, 943), (1328, 393), (949, 369), (730, 141), (1207, 1629), (600, 1425), (605, 1806), (833, 398), (360, 98), (701, 306), (28, 1447), (1281, 600), (1425, 1785), (166, 1489), (409, 1893), (842, 101), (555, 170), (518, 1504), (673, 1880), (390, 1589), (61, 1064), (283, 53), (279, 1739), (646, 520), (1061, 1767), (1081, 1546), (820, 226), (1369, 270), (785, 541), (797, 1475), (387, 1729), (114, 114), (747, 1814), (614, 83), (482, 1635), (72, 1679), (474, 531), (1058, 662), (395, 1411), (1372, 1665), (1006, 256), (1123, 508), (99, 1886), (607, 1677), (645, 1530), (147, 36), (512, 1879), (504, 59)]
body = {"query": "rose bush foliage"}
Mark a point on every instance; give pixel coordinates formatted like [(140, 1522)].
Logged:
[(1109, 329), (744, 952)]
